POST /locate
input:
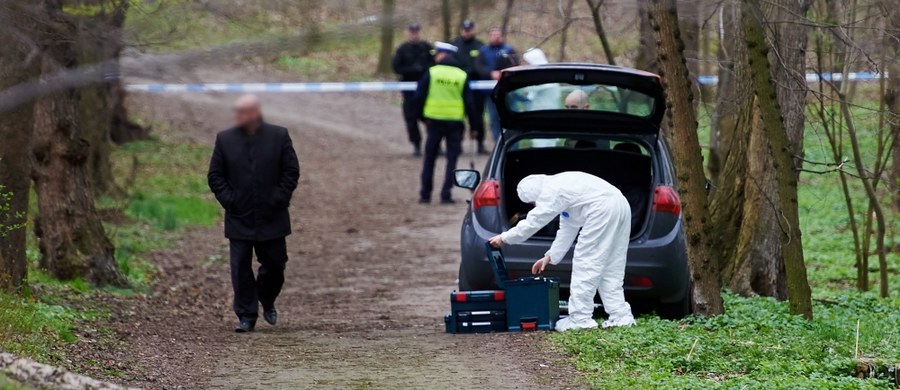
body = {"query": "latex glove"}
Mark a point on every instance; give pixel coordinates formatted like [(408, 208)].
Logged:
[(539, 265)]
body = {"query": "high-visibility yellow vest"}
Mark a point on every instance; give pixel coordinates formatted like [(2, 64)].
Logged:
[(445, 94)]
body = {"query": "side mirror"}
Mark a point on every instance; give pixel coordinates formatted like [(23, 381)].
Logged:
[(466, 178)]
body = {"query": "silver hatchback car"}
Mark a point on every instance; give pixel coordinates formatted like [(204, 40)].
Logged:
[(599, 119)]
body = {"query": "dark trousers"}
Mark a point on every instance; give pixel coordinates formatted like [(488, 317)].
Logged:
[(250, 291), (437, 131), (476, 120), (411, 117)]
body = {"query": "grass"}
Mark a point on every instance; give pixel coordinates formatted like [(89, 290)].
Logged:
[(166, 192), (9, 384), (757, 344), (32, 327)]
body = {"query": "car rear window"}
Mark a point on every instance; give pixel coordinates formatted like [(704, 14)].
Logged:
[(579, 143), (593, 97)]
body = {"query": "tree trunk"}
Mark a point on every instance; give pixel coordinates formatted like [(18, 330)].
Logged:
[(682, 121), (564, 32), (507, 13), (647, 50), (594, 6), (892, 100), (788, 65), (741, 206), (16, 66), (799, 293), (445, 20), (892, 96), (99, 41), (463, 11), (387, 38), (71, 238)]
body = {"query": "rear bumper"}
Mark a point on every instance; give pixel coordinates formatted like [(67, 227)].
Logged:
[(656, 269)]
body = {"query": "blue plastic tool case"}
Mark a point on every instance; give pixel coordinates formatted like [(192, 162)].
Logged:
[(476, 312), (532, 303)]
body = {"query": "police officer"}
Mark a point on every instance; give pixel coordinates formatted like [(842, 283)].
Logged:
[(412, 60), (467, 56), (443, 99)]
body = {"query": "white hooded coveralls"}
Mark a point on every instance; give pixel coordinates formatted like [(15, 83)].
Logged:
[(603, 214)]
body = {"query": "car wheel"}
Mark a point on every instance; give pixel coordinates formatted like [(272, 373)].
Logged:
[(675, 310), (466, 283)]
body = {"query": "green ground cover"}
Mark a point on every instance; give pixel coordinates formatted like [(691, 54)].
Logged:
[(165, 193), (757, 344)]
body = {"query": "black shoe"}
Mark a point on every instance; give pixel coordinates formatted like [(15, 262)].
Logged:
[(417, 151), (424, 201), (245, 326), (270, 315), (448, 201)]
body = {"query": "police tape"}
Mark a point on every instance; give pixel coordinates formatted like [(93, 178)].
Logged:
[(382, 86), (367, 86)]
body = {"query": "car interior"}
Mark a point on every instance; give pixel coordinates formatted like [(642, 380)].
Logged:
[(623, 164)]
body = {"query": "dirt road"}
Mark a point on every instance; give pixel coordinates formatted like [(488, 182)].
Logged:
[(367, 282)]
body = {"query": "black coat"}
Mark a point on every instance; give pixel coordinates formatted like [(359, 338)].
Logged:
[(412, 60), (467, 55), (253, 178)]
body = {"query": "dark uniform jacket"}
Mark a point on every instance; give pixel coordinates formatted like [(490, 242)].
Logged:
[(412, 60), (468, 55), (253, 178)]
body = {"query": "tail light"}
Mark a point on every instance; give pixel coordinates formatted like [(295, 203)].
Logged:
[(487, 194), (639, 281), (666, 200)]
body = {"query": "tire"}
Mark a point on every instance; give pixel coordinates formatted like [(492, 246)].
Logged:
[(675, 310), (466, 283)]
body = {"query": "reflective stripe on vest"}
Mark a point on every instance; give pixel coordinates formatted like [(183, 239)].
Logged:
[(445, 94)]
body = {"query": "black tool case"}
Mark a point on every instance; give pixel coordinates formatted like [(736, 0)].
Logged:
[(476, 312), (475, 321)]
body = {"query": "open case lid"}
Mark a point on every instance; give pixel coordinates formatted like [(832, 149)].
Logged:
[(498, 265)]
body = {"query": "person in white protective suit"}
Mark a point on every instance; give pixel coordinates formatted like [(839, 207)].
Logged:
[(602, 213)]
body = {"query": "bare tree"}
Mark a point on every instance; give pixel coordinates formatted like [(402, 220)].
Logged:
[(464, 8), (445, 20), (507, 13), (682, 122), (799, 293), (564, 31), (99, 41), (647, 51), (18, 55), (71, 237), (387, 38), (741, 207), (594, 6)]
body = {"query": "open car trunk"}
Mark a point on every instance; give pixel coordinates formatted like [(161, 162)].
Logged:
[(631, 172)]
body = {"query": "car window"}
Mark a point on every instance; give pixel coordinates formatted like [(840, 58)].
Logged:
[(595, 97), (580, 143)]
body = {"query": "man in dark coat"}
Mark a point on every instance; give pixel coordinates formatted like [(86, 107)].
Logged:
[(412, 60), (253, 173), (469, 48)]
